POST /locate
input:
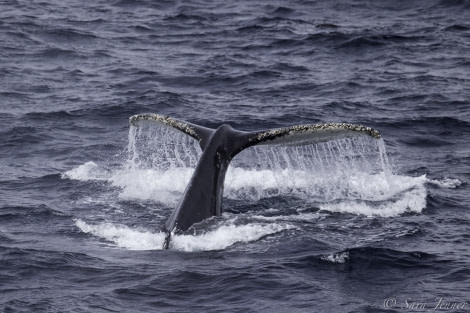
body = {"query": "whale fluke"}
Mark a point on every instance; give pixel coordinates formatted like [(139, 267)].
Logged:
[(203, 195)]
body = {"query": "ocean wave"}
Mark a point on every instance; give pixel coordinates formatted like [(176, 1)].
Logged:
[(8, 213), (373, 258)]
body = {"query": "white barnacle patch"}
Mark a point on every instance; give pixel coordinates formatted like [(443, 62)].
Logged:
[(163, 119), (304, 134), (294, 135)]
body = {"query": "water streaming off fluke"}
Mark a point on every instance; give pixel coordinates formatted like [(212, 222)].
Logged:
[(348, 175)]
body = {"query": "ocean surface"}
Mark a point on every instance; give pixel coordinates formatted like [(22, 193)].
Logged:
[(351, 225)]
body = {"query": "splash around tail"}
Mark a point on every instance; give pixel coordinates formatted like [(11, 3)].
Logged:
[(203, 196)]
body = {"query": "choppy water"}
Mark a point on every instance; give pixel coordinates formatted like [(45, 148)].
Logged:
[(345, 226)]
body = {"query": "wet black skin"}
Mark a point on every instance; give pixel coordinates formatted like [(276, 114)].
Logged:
[(203, 195)]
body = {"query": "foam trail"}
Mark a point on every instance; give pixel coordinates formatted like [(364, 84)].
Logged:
[(404, 194), (123, 236), (221, 238), (450, 183), (225, 236)]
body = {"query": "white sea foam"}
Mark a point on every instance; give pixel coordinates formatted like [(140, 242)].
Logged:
[(152, 184), (403, 194), (446, 182), (359, 193), (123, 236), (221, 238), (226, 236), (88, 171), (336, 257)]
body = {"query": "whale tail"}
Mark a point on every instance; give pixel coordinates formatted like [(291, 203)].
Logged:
[(203, 195)]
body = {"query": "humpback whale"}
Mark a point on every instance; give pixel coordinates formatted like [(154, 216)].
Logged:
[(203, 195)]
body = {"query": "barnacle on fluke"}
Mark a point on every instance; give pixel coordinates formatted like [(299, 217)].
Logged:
[(298, 129), (164, 119), (261, 136)]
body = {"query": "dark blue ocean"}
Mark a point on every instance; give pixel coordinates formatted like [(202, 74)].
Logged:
[(358, 226)]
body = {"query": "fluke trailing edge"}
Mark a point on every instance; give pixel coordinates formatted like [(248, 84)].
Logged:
[(203, 195)]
